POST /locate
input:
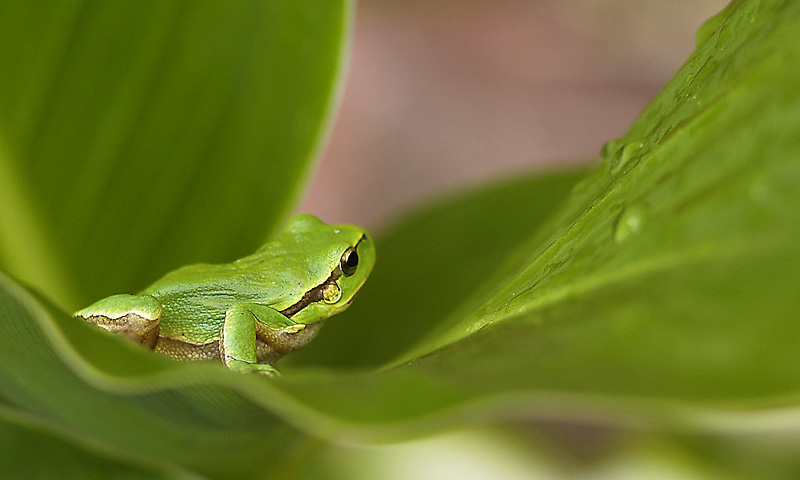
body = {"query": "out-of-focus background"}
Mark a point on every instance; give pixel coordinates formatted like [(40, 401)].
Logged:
[(442, 94)]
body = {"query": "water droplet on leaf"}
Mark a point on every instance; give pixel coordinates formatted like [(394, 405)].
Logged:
[(616, 153), (629, 222)]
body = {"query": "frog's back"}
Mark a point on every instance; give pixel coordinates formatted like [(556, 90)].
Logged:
[(195, 299)]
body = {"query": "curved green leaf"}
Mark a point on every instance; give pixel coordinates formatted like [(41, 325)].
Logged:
[(138, 405), (200, 427), (665, 288), (23, 443), (432, 263), (137, 136)]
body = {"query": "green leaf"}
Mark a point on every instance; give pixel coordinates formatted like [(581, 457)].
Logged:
[(129, 406), (22, 444), (432, 262), (138, 405), (664, 291), (138, 136)]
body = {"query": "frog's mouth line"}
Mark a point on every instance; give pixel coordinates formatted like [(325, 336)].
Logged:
[(312, 296), (316, 294)]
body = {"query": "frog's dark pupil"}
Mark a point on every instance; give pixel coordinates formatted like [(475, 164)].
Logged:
[(352, 260), (349, 262)]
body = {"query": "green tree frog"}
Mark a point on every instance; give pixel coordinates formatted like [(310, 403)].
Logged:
[(251, 312)]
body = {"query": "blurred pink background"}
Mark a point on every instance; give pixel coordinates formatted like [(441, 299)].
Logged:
[(443, 94)]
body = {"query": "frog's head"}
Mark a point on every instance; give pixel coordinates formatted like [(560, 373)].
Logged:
[(337, 260)]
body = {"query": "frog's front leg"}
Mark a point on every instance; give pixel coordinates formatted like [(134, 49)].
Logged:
[(238, 340), (133, 316)]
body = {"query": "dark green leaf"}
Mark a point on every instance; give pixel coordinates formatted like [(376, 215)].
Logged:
[(23, 445)]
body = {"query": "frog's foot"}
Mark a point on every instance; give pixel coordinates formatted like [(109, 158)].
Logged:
[(292, 329), (242, 366), (237, 343), (135, 317)]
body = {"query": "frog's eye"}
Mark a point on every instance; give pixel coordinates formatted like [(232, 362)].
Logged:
[(349, 262)]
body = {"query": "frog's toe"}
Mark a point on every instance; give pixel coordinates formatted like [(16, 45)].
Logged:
[(294, 328), (247, 367)]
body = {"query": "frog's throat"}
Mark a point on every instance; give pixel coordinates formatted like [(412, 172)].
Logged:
[(316, 294)]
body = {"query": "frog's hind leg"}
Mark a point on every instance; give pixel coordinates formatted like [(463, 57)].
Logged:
[(133, 316)]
